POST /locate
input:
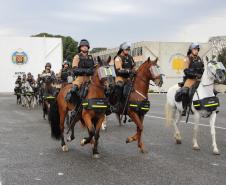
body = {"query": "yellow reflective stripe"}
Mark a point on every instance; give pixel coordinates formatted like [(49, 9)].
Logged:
[(110, 71), (50, 97), (99, 106), (133, 105), (85, 104), (143, 108), (196, 105), (105, 71), (210, 105)]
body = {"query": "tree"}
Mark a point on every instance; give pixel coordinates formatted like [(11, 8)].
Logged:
[(69, 45), (94, 50), (222, 56)]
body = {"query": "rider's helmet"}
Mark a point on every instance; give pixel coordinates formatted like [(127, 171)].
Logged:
[(19, 77), (124, 46), (194, 46), (83, 42), (66, 63), (48, 65)]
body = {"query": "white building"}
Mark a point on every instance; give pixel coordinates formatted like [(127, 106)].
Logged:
[(20, 55), (171, 57)]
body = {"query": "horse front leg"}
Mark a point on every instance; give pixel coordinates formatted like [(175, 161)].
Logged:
[(96, 154), (213, 133), (195, 130), (138, 136), (91, 130)]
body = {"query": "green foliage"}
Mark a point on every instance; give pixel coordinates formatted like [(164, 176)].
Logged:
[(69, 45), (222, 56), (94, 50)]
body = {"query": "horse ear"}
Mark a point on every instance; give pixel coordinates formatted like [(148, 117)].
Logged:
[(109, 59), (99, 61), (148, 59), (156, 60)]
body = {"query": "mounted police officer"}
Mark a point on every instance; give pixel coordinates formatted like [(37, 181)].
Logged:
[(193, 73), (65, 72), (24, 78), (83, 67), (125, 69), (18, 85), (47, 76), (30, 79)]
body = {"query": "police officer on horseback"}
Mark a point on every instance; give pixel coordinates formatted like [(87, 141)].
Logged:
[(193, 73), (125, 69), (30, 79), (18, 85), (65, 72), (47, 76), (83, 68)]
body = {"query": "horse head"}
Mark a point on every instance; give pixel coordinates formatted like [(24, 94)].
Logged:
[(151, 70), (105, 74), (216, 70)]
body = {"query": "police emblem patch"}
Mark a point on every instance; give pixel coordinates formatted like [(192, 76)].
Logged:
[(19, 57)]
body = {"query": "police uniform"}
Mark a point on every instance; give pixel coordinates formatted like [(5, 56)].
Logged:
[(84, 62), (123, 63), (194, 70)]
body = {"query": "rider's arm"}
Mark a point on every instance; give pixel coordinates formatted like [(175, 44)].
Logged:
[(119, 70), (187, 63), (75, 61)]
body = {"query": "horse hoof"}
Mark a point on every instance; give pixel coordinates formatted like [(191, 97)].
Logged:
[(196, 148), (96, 156), (82, 142), (178, 142), (128, 140), (65, 148), (216, 152), (143, 151)]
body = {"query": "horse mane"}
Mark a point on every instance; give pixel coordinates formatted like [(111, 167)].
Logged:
[(142, 66)]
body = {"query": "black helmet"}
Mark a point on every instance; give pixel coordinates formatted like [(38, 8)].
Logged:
[(29, 73), (19, 77), (48, 65), (84, 42)]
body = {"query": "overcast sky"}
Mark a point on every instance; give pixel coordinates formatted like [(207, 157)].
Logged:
[(110, 22)]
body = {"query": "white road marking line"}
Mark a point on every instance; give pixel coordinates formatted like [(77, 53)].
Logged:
[(60, 173), (191, 123)]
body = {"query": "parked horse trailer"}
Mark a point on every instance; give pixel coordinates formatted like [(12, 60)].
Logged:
[(20, 55)]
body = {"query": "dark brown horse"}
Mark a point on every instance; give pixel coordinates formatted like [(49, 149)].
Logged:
[(146, 72), (91, 119)]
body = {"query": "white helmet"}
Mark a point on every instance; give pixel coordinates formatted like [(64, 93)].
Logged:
[(125, 46), (194, 46)]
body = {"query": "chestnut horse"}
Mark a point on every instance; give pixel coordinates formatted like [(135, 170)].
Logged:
[(91, 119), (149, 70)]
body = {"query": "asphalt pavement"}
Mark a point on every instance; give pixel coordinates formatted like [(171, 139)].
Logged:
[(28, 155)]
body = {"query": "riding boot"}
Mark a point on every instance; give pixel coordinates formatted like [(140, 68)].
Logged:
[(184, 104), (73, 95), (118, 96), (185, 99)]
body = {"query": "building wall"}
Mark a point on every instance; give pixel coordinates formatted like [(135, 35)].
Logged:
[(35, 52), (171, 58)]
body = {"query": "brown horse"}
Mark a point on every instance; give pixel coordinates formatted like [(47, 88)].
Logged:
[(146, 72), (89, 117)]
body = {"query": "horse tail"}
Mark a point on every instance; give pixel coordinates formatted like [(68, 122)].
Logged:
[(54, 119)]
